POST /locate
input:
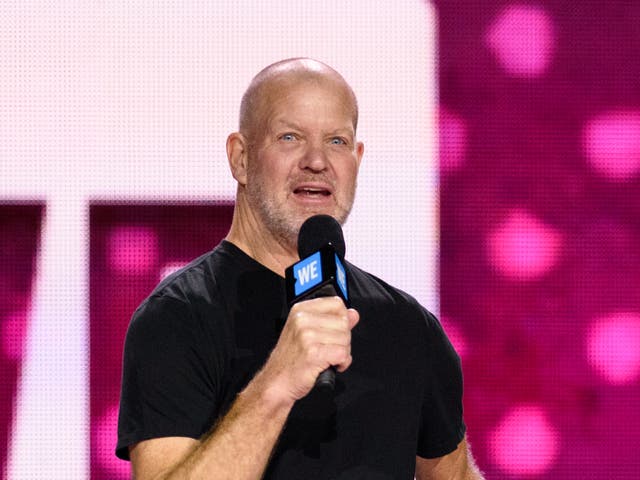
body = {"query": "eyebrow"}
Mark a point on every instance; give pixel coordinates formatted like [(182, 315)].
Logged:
[(282, 123)]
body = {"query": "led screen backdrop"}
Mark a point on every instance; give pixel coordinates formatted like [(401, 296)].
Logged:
[(132, 247), (540, 231), (113, 174)]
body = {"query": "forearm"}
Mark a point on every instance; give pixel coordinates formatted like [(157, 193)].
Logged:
[(316, 335), (240, 445), (472, 472), (458, 465), (458, 472)]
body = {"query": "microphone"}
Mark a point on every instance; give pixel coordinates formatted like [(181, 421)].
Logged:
[(320, 272)]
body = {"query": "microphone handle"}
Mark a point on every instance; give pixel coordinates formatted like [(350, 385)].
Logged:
[(327, 378)]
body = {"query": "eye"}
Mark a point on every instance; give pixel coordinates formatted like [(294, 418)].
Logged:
[(338, 141), (288, 137)]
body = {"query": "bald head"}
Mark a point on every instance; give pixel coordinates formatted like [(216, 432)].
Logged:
[(276, 79)]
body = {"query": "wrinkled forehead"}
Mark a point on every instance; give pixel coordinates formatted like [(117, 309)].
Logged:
[(279, 86), (328, 89)]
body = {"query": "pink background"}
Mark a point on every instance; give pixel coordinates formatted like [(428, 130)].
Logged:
[(540, 231)]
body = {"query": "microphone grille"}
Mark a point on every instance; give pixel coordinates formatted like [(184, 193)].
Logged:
[(316, 232)]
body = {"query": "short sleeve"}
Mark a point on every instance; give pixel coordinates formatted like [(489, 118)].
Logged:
[(170, 374), (442, 426)]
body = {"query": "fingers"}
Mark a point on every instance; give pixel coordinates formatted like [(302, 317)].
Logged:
[(354, 318), (317, 335), (325, 326), (326, 305), (324, 313)]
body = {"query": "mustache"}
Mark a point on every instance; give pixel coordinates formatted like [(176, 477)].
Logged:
[(313, 177)]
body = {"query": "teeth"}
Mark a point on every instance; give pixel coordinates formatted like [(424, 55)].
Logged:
[(312, 191)]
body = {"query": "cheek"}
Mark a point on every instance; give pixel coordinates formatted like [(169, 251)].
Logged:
[(270, 179), (349, 173)]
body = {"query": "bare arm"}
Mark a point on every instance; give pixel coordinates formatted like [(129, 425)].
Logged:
[(317, 334), (457, 465), (239, 446)]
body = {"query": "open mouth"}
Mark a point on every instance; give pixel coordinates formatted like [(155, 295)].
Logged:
[(312, 192)]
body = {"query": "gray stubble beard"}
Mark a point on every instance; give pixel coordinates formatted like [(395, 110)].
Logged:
[(273, 217)]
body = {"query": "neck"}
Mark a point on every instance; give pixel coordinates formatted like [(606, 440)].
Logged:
[(249, 235)]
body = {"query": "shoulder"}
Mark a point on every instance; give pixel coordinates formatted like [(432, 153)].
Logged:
[(376, 290), (383, 300), (183, 298), (188, 282), (197, 281)]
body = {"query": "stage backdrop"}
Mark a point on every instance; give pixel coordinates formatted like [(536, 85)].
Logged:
[(113, 119), (114, 172), (540, 231)]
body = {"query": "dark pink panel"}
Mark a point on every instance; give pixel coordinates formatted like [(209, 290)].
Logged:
[(132, 246), (19, 236)]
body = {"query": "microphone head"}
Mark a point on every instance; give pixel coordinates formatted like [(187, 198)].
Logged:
[(316, 232)]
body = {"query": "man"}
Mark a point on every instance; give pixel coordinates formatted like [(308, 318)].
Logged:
[(218, 375)]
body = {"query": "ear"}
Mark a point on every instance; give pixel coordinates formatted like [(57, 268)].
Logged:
[(359, 152), (237, 153)]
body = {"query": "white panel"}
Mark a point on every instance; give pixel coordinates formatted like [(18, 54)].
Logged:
[(134, 100)]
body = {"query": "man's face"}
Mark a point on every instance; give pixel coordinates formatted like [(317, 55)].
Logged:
[(304, 158)]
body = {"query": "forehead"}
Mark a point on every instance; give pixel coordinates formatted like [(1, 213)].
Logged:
[(323, 97)]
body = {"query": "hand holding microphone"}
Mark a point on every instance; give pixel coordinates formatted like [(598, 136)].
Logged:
[(316, 338), (320, 272)]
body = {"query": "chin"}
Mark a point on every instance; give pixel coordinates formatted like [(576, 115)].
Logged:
[(340, 218)]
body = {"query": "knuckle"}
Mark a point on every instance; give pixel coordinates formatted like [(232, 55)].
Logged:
[(297, 317), (307, 336), (294, 316)]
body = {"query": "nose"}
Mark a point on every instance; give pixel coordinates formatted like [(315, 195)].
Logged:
[(314, 159)]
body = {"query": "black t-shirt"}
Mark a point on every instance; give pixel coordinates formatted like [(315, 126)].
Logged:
[(203, 333)]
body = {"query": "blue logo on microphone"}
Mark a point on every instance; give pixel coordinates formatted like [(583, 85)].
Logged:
[(308, 273), (341, 277)]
